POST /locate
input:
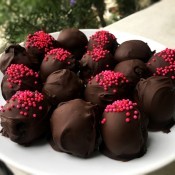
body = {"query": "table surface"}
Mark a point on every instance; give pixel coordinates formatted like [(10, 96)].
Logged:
[(157, 23)]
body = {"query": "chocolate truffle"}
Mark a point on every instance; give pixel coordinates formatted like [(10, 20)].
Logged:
[(163, 63), (133, 70), (57, 59), (106, 87), (133, 49), (24, 117), (156, 97), (38, 44), (103, 39), (73, 40), (61, 86), (14, 54), (95, 61), (74, 127), (124, 133), (19, 77)]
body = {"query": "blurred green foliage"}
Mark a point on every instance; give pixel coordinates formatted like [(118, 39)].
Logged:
[(20, 17)]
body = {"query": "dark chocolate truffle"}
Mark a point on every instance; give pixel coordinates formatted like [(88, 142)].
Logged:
[(73, 40), (105, 88), (156, 97), (124, 133), (19, 77), (103, 39), (38, 44), (163, 63), (95, 61), (133, 49), (133, 70), (14, 54), (61, 86), (57, 59), (74, 127), (24, 117)]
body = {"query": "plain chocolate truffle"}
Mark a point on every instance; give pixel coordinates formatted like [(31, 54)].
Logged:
[(124, 133), (24, 117), (14, 54), (133, 70), (74, 127), (57, 59), (156, 97), (61, 86), (133, 49), (73, 40)]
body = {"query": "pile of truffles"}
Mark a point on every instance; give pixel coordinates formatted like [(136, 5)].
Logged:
[(85, 96)]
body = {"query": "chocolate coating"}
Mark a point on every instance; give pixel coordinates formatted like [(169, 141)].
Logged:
[(19, 77), (93, 62), (14, 54), (123, 137), (61, 86), (73, 40), (133, 70), (73, 126), (57, 59), (27, 127), (106, 87), (133, 49), (103, 39), (156, 97)]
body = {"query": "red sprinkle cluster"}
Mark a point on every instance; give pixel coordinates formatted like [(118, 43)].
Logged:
[(124, 105), (40, 40), (16, 72), (109, 79), (169, 56), (58, 54), (102, 37), (25, 101), (98, 54)]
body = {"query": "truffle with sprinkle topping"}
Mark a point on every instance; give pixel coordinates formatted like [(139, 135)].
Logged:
[(156, 97), (57, 59), (124, 133), (14, 54), (133, 49), (74, 127), (74, 41), (106, 87), (38, 44), (95, 61), (61, 86), (19, 77), (24, 117), (163, 63), (103, 39)]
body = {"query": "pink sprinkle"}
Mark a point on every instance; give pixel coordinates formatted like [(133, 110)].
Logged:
[(127, 120), (135, 117), (127, 114)]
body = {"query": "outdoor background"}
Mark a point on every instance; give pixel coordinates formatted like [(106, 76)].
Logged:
[(20, 17)]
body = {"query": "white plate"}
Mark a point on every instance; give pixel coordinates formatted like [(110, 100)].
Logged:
[(42, 160)]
